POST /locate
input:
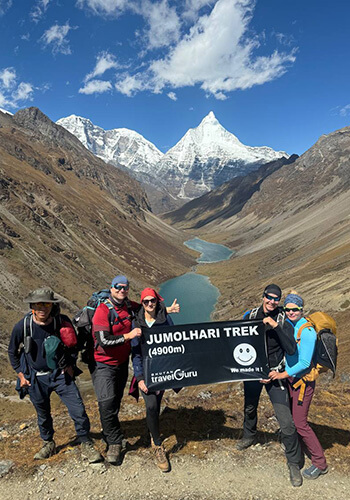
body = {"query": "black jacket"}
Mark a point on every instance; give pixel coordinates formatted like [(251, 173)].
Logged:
[(279, 340)]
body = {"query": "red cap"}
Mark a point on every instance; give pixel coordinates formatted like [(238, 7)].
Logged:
[(150, 292)]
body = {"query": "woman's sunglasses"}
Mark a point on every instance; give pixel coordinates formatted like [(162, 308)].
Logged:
[(293, 309), (149, 301)]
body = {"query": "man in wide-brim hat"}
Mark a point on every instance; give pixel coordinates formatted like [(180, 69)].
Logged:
[(36, 331)]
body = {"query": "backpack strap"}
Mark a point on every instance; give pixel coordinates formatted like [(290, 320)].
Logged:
[(253, 313), (281, 317), (302, 381), (28, 325), (308, 324), (114, 317)]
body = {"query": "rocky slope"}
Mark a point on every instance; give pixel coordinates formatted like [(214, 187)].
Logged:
[(224, 201), (295, 231), (69, 220)]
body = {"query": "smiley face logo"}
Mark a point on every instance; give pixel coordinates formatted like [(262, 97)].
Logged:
[(244, 354)]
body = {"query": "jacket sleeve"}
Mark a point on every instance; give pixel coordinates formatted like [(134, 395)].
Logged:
[(305, 352), (14, 347), (285, 332), (101, 328), (136, 355)]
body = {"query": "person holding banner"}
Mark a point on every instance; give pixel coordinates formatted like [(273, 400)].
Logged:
[(297, 366), (280, 341), (152, 313), (112, 330)]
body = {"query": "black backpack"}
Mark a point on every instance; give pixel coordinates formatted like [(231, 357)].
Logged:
[(82, 322)]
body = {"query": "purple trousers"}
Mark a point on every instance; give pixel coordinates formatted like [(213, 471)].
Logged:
[(300, 413)]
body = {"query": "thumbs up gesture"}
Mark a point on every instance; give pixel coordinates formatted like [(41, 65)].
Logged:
[(174, 308)]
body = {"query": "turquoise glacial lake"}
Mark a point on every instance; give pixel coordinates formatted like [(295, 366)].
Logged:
[(210, 252), (194, 292)]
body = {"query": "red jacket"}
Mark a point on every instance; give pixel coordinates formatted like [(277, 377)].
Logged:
[(118, 354)]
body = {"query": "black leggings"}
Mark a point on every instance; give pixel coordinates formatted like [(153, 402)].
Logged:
[(152, 401)]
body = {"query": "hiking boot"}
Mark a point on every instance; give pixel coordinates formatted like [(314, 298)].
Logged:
[(295, 475), (160, 458), (314, 472), (46, 451), (114, 454), (88, 451), (244, 443)]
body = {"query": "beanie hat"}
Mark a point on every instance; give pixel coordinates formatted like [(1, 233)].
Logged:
[(150, 292), (121, 280), (275, 289), (294, 298)]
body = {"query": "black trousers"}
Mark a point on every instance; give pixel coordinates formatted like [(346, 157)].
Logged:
[(109, 384), (152, 401), (280, 400)]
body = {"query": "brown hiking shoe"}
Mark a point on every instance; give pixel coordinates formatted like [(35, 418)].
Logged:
[(46, 451), (88, 451), (114, 454), (160, 458)]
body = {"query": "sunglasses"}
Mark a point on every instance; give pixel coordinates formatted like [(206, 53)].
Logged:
[(274, 299), (293, 309), (121, 287), (41, 304), (149, 301)]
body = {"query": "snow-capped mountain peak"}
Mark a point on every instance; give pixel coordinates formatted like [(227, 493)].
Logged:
[(121, 146), (204, 158)]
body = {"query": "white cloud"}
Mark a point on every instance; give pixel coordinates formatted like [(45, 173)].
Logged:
[(4, 6), (345, 110), (11, 93), (217, 53), (7, 77), (163, 23), (105, 7), (172, 96), (104, 62), (129, 84), (3, 100), (24, 92), (39, 10), (95, 87), (55, 37), (25, 37), (192, 7)]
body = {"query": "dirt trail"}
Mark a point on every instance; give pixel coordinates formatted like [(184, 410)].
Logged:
[(257, 474)]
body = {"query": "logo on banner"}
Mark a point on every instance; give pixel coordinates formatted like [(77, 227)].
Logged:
[(244, 354), (172, 375)]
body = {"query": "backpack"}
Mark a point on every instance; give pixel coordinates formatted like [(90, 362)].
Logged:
[(326, 349), (82, 322)]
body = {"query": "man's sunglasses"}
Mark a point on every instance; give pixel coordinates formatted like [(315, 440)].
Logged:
[(35, 305), (121, 287), (149, 301), (293, 309), (269, 297)]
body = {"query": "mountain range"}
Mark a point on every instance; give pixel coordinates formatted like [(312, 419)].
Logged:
[(203, 159), (71, 221)]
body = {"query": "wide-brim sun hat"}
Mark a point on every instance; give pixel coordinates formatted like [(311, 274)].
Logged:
[(41, 295)]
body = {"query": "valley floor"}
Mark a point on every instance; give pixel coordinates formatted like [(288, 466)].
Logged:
[(201, 426)]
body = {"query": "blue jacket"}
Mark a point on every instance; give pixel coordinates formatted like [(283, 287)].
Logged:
[(298, 364)]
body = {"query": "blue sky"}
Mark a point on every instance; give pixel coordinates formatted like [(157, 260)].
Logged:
[(275, 72)]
